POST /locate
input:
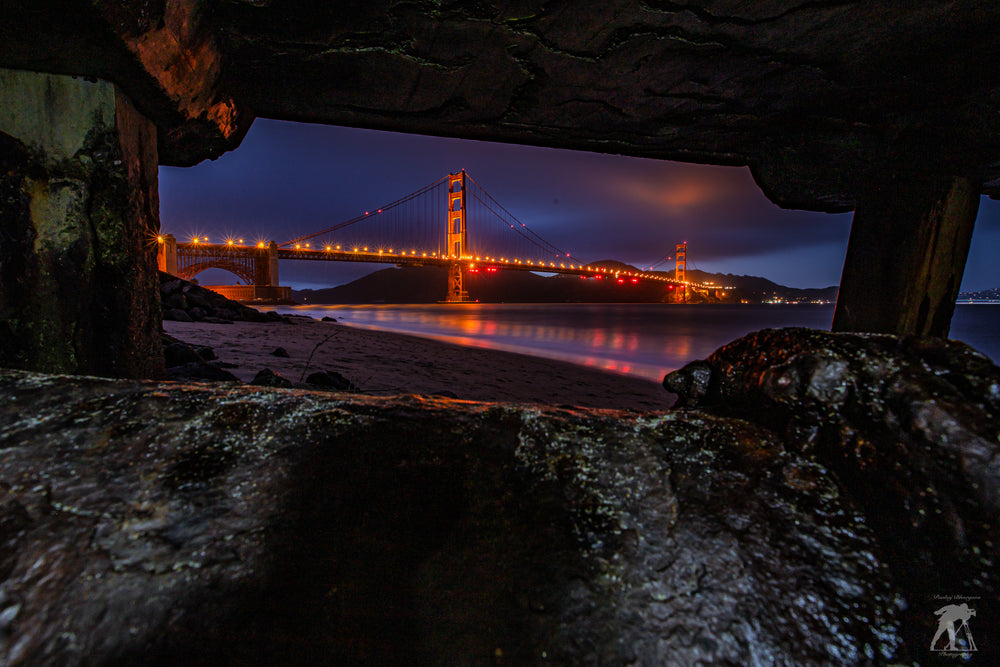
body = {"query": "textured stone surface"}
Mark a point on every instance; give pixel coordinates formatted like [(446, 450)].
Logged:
[(79, 213), (911, 427), (182, 523), (811, 95)]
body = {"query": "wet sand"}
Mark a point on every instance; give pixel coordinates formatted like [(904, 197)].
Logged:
[(385, 364)]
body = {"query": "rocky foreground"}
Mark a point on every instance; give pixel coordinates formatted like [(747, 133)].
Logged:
[(810, 504)]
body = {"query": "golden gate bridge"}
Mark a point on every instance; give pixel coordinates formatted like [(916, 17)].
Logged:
[(452, 223)]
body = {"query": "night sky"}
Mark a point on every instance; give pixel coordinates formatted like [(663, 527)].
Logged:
[(290, 179)]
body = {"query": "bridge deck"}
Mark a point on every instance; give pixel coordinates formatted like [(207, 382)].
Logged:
[(468, 262), (413, 258)]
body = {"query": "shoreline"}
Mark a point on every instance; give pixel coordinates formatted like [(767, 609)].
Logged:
[(387, 363)]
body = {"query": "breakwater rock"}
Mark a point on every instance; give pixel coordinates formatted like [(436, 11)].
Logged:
[(166, 522), (184, 301)]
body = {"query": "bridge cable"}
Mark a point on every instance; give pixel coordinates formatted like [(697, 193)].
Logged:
[(365, 216), (523, 230)]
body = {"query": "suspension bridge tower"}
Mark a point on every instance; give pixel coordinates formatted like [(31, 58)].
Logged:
[(680, 270), (456, 237)]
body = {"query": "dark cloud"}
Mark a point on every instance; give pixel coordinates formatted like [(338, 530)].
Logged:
[(289, 179)]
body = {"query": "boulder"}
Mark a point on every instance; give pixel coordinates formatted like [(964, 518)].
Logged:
[(245, 525), (268, 378), (189, 362), (178, 353), (199, 371), (331, 380), (910, 427)]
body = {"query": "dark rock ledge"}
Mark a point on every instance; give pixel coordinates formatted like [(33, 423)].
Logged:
[(168, 523)]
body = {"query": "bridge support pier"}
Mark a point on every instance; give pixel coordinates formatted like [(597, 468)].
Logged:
[(455, 292), (166, 256), (906, 255), (271, 279), (79, 210)]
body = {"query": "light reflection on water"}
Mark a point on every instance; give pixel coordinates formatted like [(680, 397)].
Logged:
[(647, 340)]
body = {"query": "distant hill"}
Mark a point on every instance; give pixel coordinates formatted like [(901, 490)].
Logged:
[(755, 289), (427, 284), (982, 296)]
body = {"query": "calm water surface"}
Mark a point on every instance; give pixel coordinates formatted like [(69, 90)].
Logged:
[(647, 340)]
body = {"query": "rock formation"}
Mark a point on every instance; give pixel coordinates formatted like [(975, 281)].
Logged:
[(803, 508), (184, 301), (910, 427)]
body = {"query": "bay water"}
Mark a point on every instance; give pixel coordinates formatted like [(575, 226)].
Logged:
[(645, 340)]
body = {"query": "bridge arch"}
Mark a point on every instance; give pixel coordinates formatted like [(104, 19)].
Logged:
[(191, 270), (252, 265)]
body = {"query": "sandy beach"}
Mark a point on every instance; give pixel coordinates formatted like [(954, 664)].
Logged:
[(383, 363)]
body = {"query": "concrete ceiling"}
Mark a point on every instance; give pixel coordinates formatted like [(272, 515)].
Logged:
[(812, 95)]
